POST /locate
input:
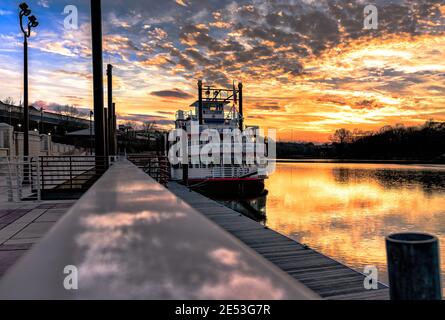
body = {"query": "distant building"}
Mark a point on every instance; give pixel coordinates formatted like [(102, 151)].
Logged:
[(11, 144), (13, 115)]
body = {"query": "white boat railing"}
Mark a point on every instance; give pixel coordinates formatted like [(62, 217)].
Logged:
[(231, 172), (214, 172)]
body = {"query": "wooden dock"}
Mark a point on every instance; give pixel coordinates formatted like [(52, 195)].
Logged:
[(327, 277)]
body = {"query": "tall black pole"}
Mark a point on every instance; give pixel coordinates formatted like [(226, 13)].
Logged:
[(107, 133), (98, 89), (26, 30), (111, 129), (240, 98), (201, 120), (114, 142), (25, 100), (25, 112)]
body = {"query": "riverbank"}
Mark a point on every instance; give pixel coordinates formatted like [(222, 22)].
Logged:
[(345, 210), (389, 161)]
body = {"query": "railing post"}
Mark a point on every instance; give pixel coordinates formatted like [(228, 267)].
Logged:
[(27, 171), (19, 182), (71, 173), (9, 182), (413, 266), (39, 194), (43, 173)]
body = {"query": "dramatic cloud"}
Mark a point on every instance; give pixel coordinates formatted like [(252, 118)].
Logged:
[(175, 93), (309, 67), (147, 118)]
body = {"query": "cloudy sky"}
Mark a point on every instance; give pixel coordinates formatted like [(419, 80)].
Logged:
[(308, 66)]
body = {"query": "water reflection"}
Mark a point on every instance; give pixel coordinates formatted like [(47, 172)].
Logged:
[(346, 210), (255, 209)]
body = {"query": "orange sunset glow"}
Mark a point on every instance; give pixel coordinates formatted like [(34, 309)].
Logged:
[(308, 68), (346, 210)]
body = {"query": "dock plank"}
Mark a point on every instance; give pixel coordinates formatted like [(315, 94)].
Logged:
[(326, 276)]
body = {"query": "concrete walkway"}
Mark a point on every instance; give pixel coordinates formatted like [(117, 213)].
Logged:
[(24, 224)]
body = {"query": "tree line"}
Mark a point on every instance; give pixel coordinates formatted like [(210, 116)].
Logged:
[(398, 142), (424, 142)]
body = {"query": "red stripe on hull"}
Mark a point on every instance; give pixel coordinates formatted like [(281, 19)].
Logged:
[(226, 179)]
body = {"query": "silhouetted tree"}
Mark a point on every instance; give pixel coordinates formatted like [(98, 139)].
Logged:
[(342, 136), (393, 142)]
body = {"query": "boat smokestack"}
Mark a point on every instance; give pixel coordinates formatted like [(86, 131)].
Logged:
[(201, 122), (240, 103)]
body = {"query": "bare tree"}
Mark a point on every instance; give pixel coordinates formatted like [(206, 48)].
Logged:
[(67, 111), (342, 136), (149, 126)]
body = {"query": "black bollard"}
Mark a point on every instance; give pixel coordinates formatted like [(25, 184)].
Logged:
[(185, 174), (413, 266)]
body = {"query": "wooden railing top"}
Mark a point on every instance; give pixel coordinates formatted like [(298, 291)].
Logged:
[(130, 238)]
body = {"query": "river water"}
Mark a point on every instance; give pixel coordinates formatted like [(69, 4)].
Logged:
[(346, 210)]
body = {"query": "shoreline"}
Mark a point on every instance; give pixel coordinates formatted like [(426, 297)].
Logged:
[(392, 161)]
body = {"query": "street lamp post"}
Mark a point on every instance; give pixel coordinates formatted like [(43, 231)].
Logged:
[(26, 30)]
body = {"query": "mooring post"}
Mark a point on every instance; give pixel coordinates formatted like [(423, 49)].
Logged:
[(185, 174), (107, 135), (114, 125), (413, 266)]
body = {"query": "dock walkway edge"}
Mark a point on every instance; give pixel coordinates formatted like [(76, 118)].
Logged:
[(320, 273)]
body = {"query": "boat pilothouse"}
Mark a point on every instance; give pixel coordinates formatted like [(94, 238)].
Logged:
[(222, 155)]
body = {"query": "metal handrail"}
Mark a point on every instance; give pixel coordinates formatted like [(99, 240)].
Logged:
[(27, 178), (156, 166)]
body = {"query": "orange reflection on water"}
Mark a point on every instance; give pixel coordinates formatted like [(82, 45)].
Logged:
[(346, 210)]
